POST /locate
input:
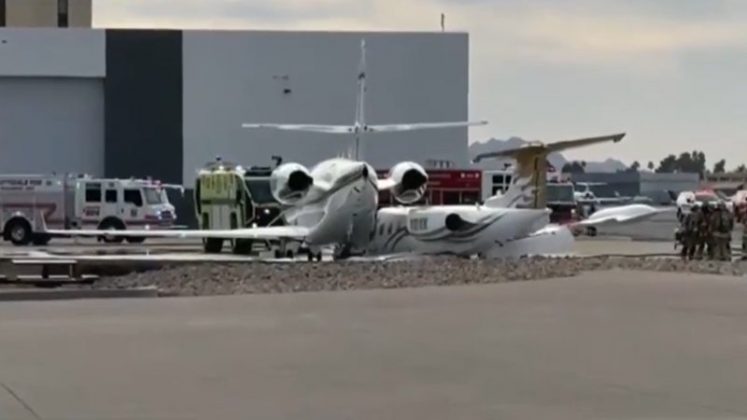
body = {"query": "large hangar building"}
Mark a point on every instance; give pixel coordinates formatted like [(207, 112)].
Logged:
[(162, 103)]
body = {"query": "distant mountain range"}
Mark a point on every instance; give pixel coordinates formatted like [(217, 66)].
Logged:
[(556, 159)]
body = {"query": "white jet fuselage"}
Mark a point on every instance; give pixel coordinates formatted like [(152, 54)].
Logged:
[(458, 230)]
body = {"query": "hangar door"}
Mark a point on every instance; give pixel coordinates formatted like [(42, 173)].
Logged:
[(51, 125)]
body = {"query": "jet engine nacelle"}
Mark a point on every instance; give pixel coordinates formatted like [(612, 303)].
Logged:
[(455, 222), (290, 182), (410, 182)]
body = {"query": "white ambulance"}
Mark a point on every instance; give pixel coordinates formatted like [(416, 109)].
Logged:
[(27, 202)]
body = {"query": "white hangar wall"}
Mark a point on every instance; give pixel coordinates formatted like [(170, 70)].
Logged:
[(232, 77)]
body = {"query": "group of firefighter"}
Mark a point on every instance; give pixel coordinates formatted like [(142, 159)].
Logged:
[(705, 232)]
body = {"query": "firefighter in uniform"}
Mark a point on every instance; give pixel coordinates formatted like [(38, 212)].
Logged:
[(725, 227), (713, 236), (702, 232), (684, 233), (689, 235)]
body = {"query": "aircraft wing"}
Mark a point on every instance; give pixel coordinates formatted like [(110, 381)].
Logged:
[(271, 232), (380, 128), (632, 213), (313, 128), (536, 148), (571, 144)]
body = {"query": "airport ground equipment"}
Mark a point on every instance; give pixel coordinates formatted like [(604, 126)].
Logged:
[(231, 196), (31, 203)]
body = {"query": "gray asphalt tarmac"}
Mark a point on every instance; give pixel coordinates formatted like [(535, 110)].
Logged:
[(603, 345)]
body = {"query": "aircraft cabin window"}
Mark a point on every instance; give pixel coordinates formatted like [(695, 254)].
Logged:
[(381, 229), (389, 230)]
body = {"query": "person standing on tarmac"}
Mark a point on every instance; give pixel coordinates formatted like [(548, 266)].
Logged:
[(714, 226), (713, 240), (723, 232), (689, 233), (702, 231)]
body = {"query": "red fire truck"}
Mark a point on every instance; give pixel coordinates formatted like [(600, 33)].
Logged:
[(445, 186), (29, 202)]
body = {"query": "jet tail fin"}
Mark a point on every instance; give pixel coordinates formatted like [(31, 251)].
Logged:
[(530, 177), (360, 105)]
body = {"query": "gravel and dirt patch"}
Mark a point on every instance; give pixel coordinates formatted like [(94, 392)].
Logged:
[(226, 279)]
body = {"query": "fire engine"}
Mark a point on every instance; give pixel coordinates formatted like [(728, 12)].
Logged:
[(29, 202), (445, 186), (230, 196)]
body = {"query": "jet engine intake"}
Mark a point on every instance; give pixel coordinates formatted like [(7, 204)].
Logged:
[(410, 182), (455, 222), (290, 182)]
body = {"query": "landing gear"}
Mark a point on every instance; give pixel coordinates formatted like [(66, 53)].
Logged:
[(312, 256), (341, 253), (279, 253), (283, 251)]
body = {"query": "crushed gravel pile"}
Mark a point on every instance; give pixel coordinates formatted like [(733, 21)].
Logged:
[(223, 279)]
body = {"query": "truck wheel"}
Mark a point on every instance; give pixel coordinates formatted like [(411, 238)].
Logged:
[(112, 224), (212, 245), (19, 232), (40, 239), (242, 246)]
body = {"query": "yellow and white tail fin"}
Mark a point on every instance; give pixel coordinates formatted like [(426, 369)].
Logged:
[(530, 177)]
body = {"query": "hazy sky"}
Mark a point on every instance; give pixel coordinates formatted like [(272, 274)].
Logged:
[(670, 73)]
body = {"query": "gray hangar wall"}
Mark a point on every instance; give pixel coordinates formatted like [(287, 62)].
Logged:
[(311, 77), (51, 101)]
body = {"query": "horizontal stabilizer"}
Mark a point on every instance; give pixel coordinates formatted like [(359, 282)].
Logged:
[(541, 148), (311, 128), (380, 128)]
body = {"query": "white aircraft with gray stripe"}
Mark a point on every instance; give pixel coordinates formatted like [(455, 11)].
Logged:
[(476, 230)]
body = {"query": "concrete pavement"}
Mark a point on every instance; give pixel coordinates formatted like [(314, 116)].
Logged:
[(603, 345)]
